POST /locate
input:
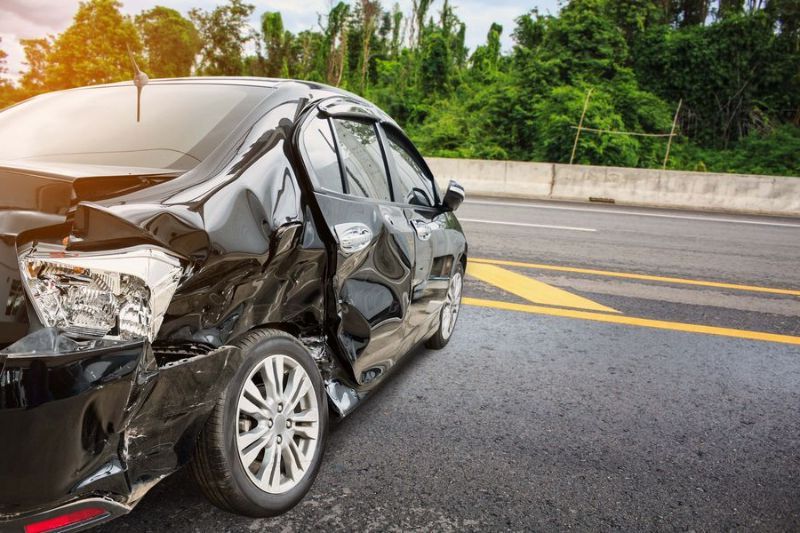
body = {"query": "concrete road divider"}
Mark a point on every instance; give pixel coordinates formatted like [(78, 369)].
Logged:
[(496, 178), (736, 193)]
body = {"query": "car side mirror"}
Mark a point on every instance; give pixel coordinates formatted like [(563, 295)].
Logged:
[(454, 196)]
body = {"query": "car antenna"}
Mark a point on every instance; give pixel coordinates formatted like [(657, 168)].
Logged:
[(140, 79)]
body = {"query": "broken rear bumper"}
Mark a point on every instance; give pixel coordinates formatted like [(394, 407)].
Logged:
[(101, 420), (72, 516)]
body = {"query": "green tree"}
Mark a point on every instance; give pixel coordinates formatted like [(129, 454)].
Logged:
[(419, 12), (584, 43), (734, 63), (786, 13), (487, 58), (6, 87), (171, 42), (692, 12), (334, 42), (635, 16), (284, 54), (3, 62), (370, 9), (305, 63), (224, 33), (79, 57), (397, 30), (770, 153), (277, 43), (734, 76), (435, 71), (559, 112), (34, 79), (729, 8)]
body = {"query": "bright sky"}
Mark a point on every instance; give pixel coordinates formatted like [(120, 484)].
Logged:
[(23, 19)]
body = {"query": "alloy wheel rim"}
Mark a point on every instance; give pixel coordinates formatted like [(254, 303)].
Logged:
[(452, 305), (277, 429)]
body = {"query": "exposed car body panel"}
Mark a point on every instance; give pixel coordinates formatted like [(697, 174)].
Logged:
[(43, 394), (258, 245), (374, 284)]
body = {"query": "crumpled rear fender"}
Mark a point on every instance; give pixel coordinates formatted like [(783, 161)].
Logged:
[(104, 417), (174, 228)]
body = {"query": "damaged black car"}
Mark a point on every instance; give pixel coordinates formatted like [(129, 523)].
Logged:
[(204, 272)]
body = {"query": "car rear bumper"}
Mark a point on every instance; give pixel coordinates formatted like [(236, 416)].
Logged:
[(63, 413), (101, 420), (69, 517)]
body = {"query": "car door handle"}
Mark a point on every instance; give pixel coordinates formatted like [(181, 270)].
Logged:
[(423, 229), (353, 237)]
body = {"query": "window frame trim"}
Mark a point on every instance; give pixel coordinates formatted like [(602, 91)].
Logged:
[(375, 125), (406, 143), (339, 158), (322, 111), (315, 114)]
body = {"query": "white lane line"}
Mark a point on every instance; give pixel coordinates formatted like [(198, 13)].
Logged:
[(606, 211), (523, 225)]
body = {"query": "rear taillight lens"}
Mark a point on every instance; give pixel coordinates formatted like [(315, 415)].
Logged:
[(70, 519), (120, 295)]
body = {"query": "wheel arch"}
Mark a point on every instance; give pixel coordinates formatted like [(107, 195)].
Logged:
[(317, 346), (286, 327)]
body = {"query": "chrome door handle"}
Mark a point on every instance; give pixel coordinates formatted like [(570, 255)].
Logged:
[(423, 229), (353, 237)]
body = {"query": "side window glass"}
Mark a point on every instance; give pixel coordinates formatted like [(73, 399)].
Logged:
[(365, 171), (321, 158), (411, 184)]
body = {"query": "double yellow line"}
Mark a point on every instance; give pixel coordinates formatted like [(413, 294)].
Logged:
[(641, 277), (488, 270)]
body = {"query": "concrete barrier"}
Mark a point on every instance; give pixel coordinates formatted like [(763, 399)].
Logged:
[(737, 193), (496, 178)]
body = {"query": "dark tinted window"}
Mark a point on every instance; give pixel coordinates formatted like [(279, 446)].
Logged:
[(411, 184), (363, 159), (320, 153), (180, 125)]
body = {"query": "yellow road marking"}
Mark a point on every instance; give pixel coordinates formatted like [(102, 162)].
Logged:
[(642, 277), (531, 289), (630, 321)]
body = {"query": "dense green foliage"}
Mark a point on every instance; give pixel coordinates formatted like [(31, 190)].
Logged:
[(225, 33), (170, 41), (5, 86), (734, 64), (94, 49)]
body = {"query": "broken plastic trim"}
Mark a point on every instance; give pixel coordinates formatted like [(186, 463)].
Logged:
[(54, 342)]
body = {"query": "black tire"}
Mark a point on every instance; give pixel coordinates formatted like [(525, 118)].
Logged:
[(217, 467), (442, 337)]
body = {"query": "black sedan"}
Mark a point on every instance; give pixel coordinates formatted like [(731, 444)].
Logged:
[(204, 272)]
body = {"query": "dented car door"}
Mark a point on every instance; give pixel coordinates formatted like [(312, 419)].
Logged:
[(374, 243)]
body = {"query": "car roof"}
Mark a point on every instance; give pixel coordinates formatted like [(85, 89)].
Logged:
[(326, 91), (272, 83)]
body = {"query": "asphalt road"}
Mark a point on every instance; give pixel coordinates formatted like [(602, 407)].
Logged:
[(544, 418)]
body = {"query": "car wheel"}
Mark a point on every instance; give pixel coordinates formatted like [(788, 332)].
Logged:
[(449, 312), (262, 446)]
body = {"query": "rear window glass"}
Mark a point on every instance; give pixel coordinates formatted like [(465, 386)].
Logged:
[(181, 124)]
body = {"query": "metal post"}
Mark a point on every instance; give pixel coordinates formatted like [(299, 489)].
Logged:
[(672, 133), (580, 126)]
